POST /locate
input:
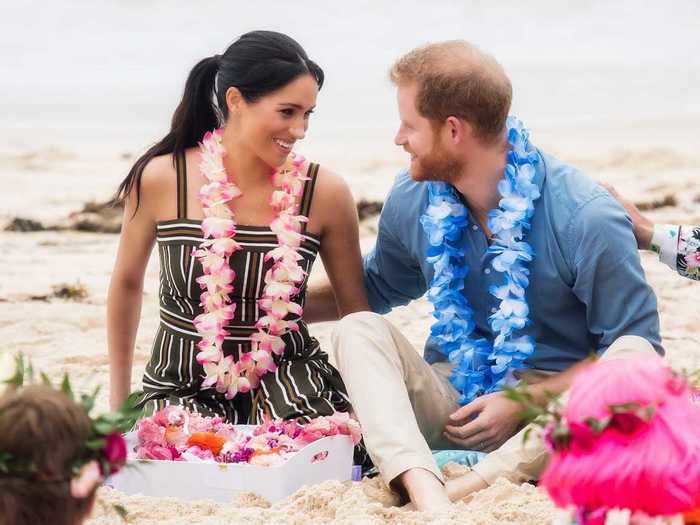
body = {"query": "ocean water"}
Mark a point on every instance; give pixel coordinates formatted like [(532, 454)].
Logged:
[(99, 79)]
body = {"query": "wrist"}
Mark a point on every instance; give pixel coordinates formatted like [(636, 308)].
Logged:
[(644, 233)]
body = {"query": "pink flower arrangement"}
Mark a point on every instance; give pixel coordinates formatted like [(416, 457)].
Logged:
[(626, 439), (175, 434), (219, 229)]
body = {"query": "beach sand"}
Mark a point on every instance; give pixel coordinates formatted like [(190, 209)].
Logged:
[(64, 335)]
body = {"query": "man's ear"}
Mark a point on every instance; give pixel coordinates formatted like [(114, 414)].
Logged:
[(458, 130)]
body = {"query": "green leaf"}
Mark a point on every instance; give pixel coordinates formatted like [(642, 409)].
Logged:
[(88, 402), (121, 511), (17, 380), (623, 408), (45, 379), (95, 444), (103, 427), (65, 386)]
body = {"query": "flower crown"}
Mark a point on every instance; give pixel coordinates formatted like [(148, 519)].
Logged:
[(103, 453), (560, 434)]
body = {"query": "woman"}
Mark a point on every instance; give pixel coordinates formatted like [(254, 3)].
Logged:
[(240, 349)]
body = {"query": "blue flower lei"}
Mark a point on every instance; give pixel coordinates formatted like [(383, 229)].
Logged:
[(481, 367)]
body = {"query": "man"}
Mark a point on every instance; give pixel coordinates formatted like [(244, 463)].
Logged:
[(585, 287)]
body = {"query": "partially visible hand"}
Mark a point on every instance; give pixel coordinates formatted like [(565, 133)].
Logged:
[(643, 227), (485, 423), (460, 488)]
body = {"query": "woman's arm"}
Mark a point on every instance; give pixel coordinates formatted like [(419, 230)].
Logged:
[(335, 210), (678, 246), (125, 294)]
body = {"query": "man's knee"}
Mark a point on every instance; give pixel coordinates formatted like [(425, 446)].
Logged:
[(629, 346), (358, 332), (357, 323)]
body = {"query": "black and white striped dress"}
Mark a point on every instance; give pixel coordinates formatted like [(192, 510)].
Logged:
[(304, 386)]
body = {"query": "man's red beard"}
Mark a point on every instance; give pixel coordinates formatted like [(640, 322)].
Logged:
[(436, 166)]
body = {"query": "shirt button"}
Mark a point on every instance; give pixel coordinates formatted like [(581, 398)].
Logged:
[(494, 310), (487, 271), (475, 227)]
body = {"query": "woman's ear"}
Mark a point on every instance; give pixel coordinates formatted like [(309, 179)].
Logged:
[(234, 100)]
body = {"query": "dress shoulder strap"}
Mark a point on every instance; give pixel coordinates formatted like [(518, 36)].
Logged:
[(308, 194), (181, 168)]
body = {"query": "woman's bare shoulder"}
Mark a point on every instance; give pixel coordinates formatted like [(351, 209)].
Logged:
[(331, 185)]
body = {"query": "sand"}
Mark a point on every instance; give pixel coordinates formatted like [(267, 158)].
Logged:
[(348, 503), (69, 335)]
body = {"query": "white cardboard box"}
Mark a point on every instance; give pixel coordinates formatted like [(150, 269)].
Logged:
[(221, 481)]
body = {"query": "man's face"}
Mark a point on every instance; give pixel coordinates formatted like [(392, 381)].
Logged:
[(430, 160)]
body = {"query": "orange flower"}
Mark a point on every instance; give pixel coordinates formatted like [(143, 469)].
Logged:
[(692, 517), (207, 440)]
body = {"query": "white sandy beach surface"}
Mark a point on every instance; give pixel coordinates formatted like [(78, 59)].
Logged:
[(610, 88)]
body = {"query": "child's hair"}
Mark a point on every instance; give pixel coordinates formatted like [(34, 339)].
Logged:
[(652, 464), (45, 431)]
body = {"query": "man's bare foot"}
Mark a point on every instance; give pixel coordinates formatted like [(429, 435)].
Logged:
[(425, 490), (463, 486)]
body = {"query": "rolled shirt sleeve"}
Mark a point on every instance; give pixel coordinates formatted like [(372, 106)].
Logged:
[(609, 278), (392, 274)]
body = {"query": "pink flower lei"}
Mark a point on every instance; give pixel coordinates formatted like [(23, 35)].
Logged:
[(281, 281)]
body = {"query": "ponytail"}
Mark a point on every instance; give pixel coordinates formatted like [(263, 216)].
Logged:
[(194, 116)]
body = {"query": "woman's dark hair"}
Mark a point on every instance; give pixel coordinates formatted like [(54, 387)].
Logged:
[(258, 63)]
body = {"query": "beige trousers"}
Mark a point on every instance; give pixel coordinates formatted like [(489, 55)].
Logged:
[(403, 403)]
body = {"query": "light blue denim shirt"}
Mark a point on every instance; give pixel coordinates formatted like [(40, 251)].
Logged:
[(587, 287)]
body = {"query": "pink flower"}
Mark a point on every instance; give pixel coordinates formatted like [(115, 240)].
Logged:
[(582, 437), (152, 451), (220, 280), (197, 453), (284, 272), (269, 343), (279, 308), (627, 422), (211, 262), (218, 227), (209, 352), (114, 452), (263, 362), (150, 433), (173, 415), (175, 436), (347, 425), (280, 289), (284, 253), (208, 325), (224, 246), (282, 199), (693, 260), (272, 324), (218, 372)]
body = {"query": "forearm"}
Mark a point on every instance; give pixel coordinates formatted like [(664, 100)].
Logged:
[(555, 385), (123, 314), (460, 488), (320, 303)]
